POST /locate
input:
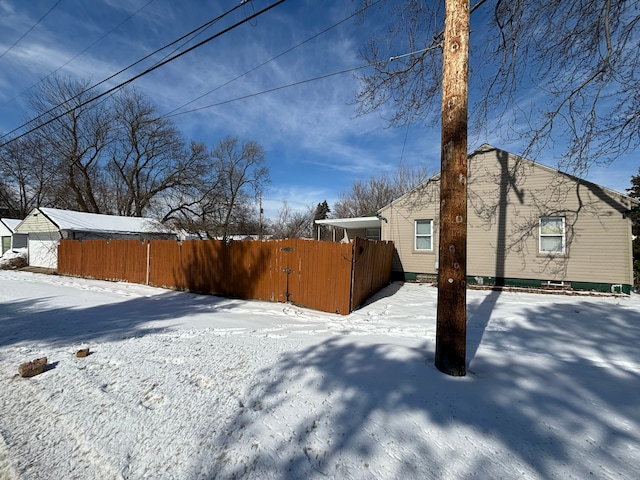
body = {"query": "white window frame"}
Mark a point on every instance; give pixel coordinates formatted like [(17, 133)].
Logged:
[(542, 235), (372, 234), (417, 235)]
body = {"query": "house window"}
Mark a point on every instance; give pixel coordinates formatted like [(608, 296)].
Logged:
[(423, 235), (372, 234), (552, 235)]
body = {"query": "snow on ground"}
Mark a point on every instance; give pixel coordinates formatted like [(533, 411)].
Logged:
[(184, 386)]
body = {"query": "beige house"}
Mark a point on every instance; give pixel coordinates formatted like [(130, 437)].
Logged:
[(528, 225)]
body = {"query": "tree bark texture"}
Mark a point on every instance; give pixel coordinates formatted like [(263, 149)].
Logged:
[(451, 330)]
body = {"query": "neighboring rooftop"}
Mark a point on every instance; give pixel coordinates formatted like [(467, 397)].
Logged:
[(11, 223), (95, 222)]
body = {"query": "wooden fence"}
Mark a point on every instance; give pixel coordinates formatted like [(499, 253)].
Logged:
[(328, 276)]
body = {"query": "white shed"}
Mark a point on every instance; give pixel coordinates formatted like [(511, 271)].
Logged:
[(46, 226), (9, 238)]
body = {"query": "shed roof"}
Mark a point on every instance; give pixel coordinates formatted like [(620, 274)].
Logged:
[(10, 223), (95, 222)]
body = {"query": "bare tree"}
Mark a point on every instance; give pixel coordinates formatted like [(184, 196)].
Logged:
[(184, 205), (241, 176), (290, 224), (113, 156), (26, 177), (545, 69), (76, 142), (222, 202), (147, 156), (582, 58), (366, 198), (8, 199)]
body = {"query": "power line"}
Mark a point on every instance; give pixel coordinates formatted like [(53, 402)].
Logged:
[(434, 45), (307, 40), (157, 65), (270, 90), (79, 53), (173, 113), (289, 85), (437, 38), (200, 30), (193, 34), (32, 27), (149, 70)]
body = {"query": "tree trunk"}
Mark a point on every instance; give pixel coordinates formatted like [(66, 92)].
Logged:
[(451, 330)]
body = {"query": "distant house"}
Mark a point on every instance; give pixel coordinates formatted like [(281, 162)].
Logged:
[(9, 238), (46, 226), (528, 225)]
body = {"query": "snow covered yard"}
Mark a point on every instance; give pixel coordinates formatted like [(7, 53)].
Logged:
[(184, 386)]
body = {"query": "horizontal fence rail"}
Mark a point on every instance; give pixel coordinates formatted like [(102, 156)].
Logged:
[(328, 276)]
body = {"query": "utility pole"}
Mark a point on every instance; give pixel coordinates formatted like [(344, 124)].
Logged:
[(451, 333)]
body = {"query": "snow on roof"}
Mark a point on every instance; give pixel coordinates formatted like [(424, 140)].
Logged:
[(356, 222), (95, 222), (10, 223)]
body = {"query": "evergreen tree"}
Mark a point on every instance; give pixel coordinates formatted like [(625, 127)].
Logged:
[(322, 211)]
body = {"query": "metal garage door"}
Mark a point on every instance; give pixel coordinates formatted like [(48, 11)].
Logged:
[(43, 249)]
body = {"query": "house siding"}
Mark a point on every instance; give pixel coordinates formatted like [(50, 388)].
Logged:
[(5, 238), (4, 231), (507, 196), (420, 204), (11, 240), (36, 221), (43, 238), (43, 249)]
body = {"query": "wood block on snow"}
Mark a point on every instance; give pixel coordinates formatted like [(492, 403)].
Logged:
[(33, 368)]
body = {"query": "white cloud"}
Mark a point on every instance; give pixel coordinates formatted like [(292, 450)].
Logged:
[(299, 199)]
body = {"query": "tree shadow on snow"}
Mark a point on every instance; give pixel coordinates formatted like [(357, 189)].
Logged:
[(534, 390), (35, 321)]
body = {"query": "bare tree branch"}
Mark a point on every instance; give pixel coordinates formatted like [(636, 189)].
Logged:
[(541, 72)]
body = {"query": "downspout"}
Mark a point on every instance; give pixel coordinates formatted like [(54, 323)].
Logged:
[(385, 221)]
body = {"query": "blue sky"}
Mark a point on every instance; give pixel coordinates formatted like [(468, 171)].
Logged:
[(315, 144)]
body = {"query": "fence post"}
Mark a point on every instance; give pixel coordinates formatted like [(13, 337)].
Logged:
[(148, 260), (353, 276)]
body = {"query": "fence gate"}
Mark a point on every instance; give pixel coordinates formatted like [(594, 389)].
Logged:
[(286, 254), (318, 274)]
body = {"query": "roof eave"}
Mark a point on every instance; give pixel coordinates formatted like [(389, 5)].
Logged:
[(355, 222)]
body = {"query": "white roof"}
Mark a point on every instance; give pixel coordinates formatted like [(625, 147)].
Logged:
[(95, 222), (10, 223), (358, 222)]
